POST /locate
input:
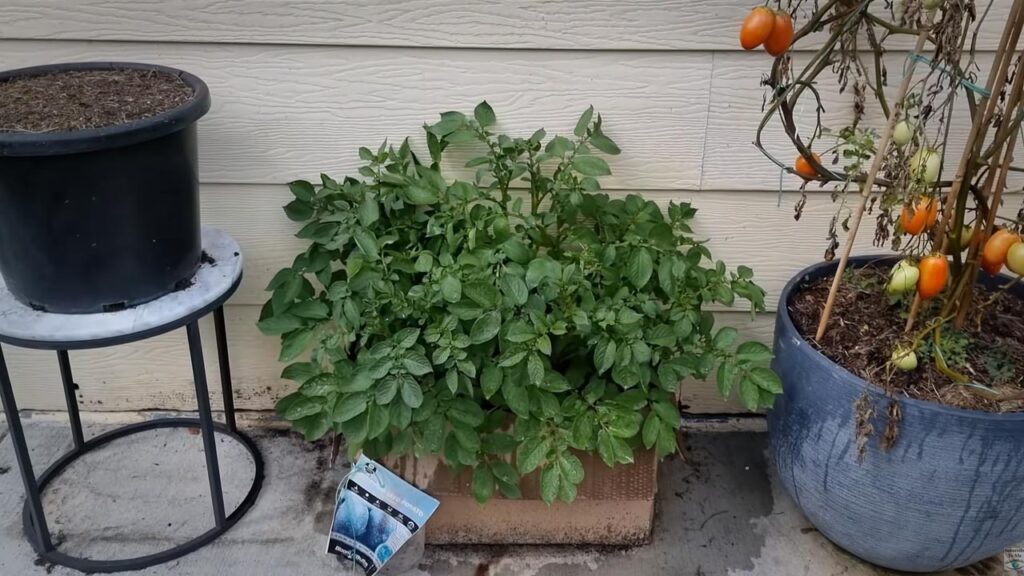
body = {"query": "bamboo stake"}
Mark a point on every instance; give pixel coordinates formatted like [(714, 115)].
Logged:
[(994, 85), (1012, 109), (869, 183), (972, 270)]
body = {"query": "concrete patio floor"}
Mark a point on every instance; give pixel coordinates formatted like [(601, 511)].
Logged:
[(719, 513)]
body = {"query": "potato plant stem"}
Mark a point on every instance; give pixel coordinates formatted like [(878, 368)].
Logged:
[(869, 183)]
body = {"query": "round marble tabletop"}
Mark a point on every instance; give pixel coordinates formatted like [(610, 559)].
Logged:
[(215, 281)]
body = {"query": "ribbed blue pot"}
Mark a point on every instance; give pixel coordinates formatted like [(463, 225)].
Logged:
[(948, 494)]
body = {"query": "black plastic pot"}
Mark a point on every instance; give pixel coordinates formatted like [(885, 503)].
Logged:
[(101, 219)]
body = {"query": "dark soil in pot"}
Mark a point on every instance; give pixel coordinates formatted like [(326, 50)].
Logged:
[(99, 184), (82, 99), (867, 325)]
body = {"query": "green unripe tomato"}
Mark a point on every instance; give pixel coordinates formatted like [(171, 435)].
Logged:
[(925, 165), (904, 359), (966, 234), (903, 278), (902, 133), (931, 4), (1015, 259)]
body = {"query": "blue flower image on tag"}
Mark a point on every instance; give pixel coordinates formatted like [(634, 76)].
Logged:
[(375, 513)]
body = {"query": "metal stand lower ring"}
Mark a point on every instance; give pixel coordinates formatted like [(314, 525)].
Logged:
[(33, 515), (91, 566)]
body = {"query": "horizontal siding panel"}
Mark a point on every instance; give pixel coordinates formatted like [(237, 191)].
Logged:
[(732, 162), (756, 229), (285, 112), (156, 373), (538, 24)]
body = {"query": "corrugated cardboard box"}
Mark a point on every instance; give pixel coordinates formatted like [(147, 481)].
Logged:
[(614, 506)]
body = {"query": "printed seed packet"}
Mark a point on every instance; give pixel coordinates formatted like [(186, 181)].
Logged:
[(375, 513), (1014, 558)]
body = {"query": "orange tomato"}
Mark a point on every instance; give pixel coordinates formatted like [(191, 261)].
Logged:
[(757, 27), (917, 219), (781, 36), (992, 268), (803, 167), (934, 275), (993, 255)]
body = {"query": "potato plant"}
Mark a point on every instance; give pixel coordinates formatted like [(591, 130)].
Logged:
[(505, 320)]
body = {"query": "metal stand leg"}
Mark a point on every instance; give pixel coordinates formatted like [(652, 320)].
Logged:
[(70, 398), (225, 368), (195, 349), (28, 475)]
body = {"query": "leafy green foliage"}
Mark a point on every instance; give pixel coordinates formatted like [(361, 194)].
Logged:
[(1000, 365), (472, 320), (952, 347)]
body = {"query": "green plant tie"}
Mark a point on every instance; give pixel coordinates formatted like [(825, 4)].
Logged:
[(915, 57)]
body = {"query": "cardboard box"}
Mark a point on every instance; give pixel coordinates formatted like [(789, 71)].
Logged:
[(614, 506)]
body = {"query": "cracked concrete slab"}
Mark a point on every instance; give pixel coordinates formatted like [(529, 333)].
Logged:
[(719, 513)]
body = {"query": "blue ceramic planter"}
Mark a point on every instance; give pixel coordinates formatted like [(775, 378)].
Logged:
[(948, 494)]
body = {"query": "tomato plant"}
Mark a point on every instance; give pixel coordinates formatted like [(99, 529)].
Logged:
[(929, 206)]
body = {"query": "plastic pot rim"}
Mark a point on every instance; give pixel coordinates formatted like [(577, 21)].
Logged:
[(13, 144), (821, 269)]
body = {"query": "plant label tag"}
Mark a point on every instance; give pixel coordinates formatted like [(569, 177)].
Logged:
[(1014, 559), (375, 513)]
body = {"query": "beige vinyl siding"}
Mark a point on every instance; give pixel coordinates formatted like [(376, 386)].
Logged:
[(697, 25), (299, 85)]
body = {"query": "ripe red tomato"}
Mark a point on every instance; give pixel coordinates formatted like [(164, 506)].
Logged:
[(781, 36), (803, 167), (757, 27), (917, 219), (934, 275)]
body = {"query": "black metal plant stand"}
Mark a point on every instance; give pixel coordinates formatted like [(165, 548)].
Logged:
[(21, 326)]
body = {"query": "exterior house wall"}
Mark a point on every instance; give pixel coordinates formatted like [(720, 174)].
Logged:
[(299, 85)]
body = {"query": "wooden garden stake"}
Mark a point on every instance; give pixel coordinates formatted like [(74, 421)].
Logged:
[(995, 196), (995, 83), (869, 183)]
